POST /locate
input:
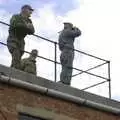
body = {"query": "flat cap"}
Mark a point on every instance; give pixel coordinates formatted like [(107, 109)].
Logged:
[(28, 7), (68, 23)]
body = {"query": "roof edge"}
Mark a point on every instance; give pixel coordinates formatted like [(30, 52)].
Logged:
[(58, 94)]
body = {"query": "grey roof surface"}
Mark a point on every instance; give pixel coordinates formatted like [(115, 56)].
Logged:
[(57, 86)]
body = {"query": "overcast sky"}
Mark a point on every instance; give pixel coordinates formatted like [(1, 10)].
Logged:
[(99, 21)]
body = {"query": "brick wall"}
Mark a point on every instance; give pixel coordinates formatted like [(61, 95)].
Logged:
[(11, 96)]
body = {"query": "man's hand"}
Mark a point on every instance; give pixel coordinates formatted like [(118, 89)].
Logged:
[(75, 28), (29, 25), (30, 28)]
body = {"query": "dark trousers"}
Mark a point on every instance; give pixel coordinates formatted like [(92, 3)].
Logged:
[(66, 59)]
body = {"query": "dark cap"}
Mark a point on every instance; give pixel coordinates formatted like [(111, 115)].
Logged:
[(34, 52), (68, 23), (28, 7)]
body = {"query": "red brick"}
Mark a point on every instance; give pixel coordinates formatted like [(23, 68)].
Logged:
[(11, 96)]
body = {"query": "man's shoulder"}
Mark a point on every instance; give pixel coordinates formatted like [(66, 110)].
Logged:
[(61, 32), (64, 32), (16, 15)]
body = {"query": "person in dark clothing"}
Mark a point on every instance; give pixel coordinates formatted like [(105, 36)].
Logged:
[(66, 46)]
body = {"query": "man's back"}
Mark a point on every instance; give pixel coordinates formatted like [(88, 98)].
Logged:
[(67, 36), (28, 65)]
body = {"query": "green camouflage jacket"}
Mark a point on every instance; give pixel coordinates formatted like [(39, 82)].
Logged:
[(18, 27), (28, 65)]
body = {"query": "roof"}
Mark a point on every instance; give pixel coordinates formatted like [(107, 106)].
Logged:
[(60, 90)]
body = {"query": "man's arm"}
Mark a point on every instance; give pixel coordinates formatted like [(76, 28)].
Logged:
[(30, 27), (17, 23), (21, 25), (75, 32)]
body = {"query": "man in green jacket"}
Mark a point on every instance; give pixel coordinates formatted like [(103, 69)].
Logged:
[(29, 64), (20, 26)]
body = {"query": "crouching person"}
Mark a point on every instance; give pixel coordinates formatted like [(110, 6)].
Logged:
[(29, 64)]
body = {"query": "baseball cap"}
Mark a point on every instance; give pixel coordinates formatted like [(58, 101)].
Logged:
[(28, 7)]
